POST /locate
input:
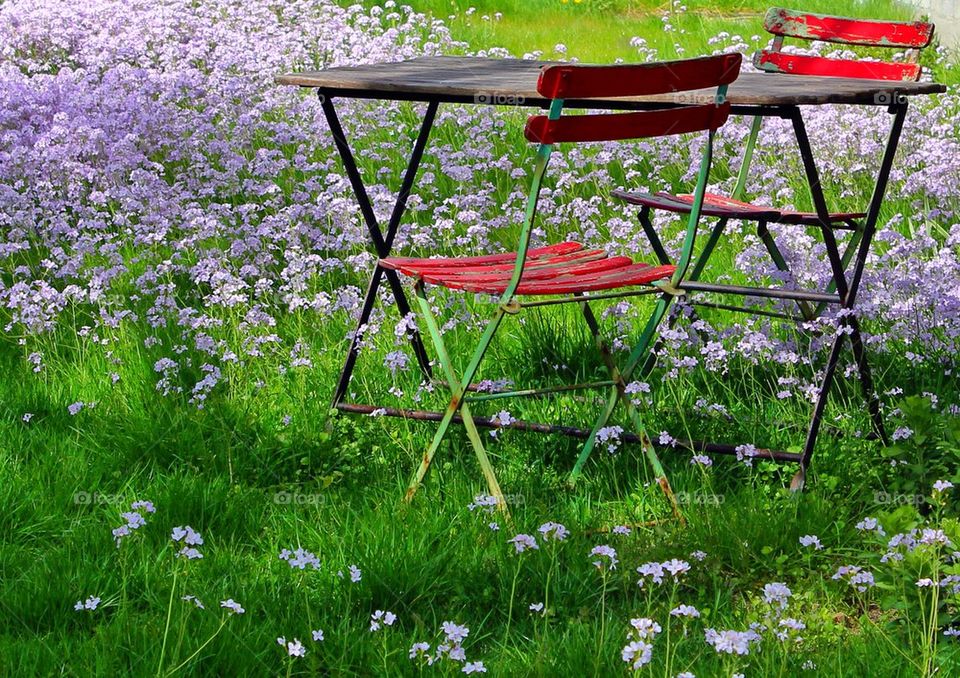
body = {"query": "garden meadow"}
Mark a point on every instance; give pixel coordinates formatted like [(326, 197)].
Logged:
[(181, 264)]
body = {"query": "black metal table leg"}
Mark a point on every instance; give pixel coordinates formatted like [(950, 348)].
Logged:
[(848, 292), (382, 244)]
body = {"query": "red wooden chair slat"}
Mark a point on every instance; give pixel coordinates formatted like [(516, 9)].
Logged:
[(711, 208), (572, 81), (580, 257), (619, 126), (801, 64), (397, 263), (794, 24), (529, 274), (715, 205)]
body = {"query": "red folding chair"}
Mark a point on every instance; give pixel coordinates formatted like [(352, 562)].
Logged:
[(568, 272), (784, 23)]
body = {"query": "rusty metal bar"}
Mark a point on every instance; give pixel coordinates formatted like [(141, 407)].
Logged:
[(569, 431), (587, 297), (537, 391), (803, 295), (746, 309)]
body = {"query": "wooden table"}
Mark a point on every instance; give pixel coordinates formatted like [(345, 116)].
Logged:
[(449, 79), (513, 82)]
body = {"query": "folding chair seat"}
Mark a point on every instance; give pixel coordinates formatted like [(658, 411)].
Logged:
[(569, 270), (728, 208)]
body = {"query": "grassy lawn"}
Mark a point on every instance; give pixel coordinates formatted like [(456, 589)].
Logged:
[(198, 379)]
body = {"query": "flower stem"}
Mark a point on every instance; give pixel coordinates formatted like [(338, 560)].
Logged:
[(166, 628)]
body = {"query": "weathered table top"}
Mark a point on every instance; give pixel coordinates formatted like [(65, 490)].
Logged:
[(514, 82)]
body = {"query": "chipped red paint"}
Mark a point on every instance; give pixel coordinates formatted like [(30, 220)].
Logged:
[(793, 24), (799, 64)]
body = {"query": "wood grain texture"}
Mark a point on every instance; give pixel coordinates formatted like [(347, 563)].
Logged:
[(513, 82)]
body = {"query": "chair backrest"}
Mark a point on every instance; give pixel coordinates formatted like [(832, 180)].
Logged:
[(580, 83), (571, 81), (785, 23)]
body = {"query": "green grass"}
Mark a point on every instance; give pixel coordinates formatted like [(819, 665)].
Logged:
[(253, 485), (601, 32)]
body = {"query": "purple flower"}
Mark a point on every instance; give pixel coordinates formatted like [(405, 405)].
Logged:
[(731, 642), (685, 611), (621, 529), (536, 607), (381, 617), (419, 650), (554, 531), (454, 633), (294, 648), (523, 542), (186, 534), (487, 502), (317, 635), (74, 408), (643, 628), (232, 606), (194, 600), (355, 573), (942, 485), (676, 567), (901, 433), (811, 540), (777, 595), (870, 525), (604, 551), (300, 558), (89, 604), (189, 553), (652, 570), (474, 667), (637, 654)]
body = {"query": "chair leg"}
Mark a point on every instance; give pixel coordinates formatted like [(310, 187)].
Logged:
[(456, 403), (618, 394), (781, 263)]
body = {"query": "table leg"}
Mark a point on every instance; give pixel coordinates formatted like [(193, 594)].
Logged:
[(848, 289), (382, 244)]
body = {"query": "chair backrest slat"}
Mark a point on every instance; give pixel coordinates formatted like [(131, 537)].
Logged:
[(619, 126), (909, 35), (571, 81), (800, 64), (866, 32), (582, 82)]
